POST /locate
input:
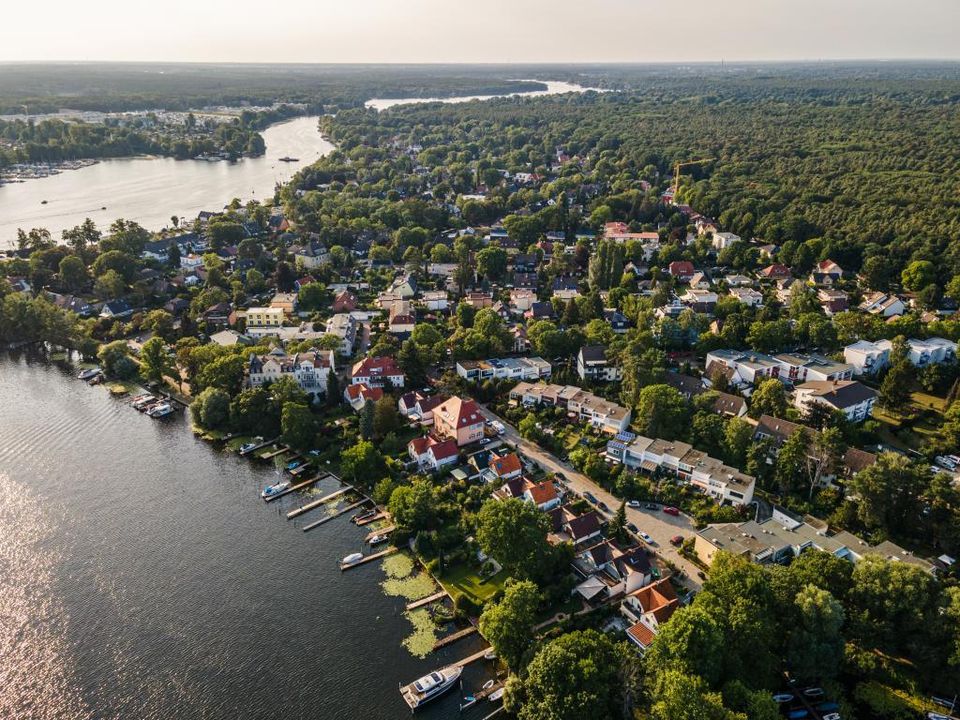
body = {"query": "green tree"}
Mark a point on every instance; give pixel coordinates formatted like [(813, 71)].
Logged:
[(918, 274), (110, 285), (386, 418), (160, 323), (414, 507), (360, 463), (895, 388), (116, 361), (211, 408), (889, 491), (508, 624), (254, 412), (738, 436), (297, 425), (312, 296), (73, 274), (224, 372), (815, 647), (768, 398), (680, 696), (661, 412), (155, 361), (492, 263), (515, 533), (367, 413), (618, 526)]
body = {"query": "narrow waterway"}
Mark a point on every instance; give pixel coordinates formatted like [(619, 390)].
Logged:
[(554, 87), (151, 190), (141, 576)]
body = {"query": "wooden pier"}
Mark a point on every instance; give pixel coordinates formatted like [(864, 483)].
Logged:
[(294, 488), (470, 659), (335, 515), (451, 639), (372, 518), (383, 531), (271, 455), (368, 558), (317, 503), (427, 600), (259, 447)]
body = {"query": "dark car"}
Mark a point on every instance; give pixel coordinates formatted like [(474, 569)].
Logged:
[(676, 540), (590, 498), (632, 528), (652, 506), (602, 506)]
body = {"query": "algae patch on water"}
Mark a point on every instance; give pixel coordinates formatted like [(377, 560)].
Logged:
[(404, 581), (420, 643)]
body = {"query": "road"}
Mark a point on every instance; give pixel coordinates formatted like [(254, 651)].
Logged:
[(658, 525)]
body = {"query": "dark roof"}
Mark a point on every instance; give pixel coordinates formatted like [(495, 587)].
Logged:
[(584, 526), (855, 460), (840, 394), (593, 353), (776, 428)]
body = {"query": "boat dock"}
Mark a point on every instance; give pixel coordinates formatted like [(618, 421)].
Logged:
[(470, 659), (368, 558), (271, 455), (451, 639), (427, 600), (385, 531), (317, 503), (294, 488), (259, 447), (335, 515), (372, 518)]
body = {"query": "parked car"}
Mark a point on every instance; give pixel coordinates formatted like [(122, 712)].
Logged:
[(646, 538), (701, 575), (632, 528), (602, 506), (676, 540), (633, 503), (590, 498), (669, 510), (652, 506)]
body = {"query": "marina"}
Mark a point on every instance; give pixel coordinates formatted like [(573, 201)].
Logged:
[(317, 503), (295, 488), (334, 515), (344, 565)]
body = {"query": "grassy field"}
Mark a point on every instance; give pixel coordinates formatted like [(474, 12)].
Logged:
[(463, 580)]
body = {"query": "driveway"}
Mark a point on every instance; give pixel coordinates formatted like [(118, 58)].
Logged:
[(657, 524)]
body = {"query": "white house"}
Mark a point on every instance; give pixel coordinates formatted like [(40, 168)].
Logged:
[(723, 240), (309, 370), (343, 326), (533, 368), (866, 357), (592, 364), (878, 303), (378, 372), (852, 398), (747, 296), (926, 352)]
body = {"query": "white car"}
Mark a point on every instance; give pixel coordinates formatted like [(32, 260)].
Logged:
[(633, 503), (646, 538)]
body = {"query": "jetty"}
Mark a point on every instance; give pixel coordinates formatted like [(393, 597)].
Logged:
[(368, 558), (427, 600), (278, 451), (451, 639), (298, 486), (383, 531), (259, 447), (372, 518), (470, 659), (317, 503), (333, 516)]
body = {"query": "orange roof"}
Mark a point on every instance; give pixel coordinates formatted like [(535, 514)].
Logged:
[(419, 445), (641, 634), (506, 465), (542, 492), (658, 598)]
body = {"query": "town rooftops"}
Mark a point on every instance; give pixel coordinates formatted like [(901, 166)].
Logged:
[(461, 413), (376, 367), (841, 394)]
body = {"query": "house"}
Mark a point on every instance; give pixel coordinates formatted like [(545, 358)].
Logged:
[(478, 300), (176, 306), (285, 301), (737, 281), (378, 372), (592, 364), (747, 296), (229, 338), (866, 357), (797, 368), (345, 302), (577, 529), (747, 368), (356, 396), (460, 420), (521, 299), (833, 301), (419, 407), (433, 454), (435, 299), (682, 270), (878, 303), (259, 318), (402, 318), (690, 387), (311, 256), (621, 571), (343, 326), (579, 404), (617, 320), (520, 342), (309, 369), (533, 368), (116, 309), (539, 311), (566, 289), (648, 608), (506, 467), (921, 353), (827, 273), (852, 398), (542, 494), (723, 240), (526, 281), (702, 301), (776, 271), (525, 263), (191, 262)]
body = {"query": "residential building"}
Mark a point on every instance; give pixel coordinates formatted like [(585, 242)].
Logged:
[(539, 311), (747, 296), (345, 327), (542, 494), (620, 571), (435, 300), (797, 368), (460, 420), (433, 454), (648, 608), (356, 396), (682, 270), (921, 353), (264, 317), (116, 309), (826, 272), (866, 357), (882, 304), (285, 301), (592, 364), (852, 398), (478, 300), (505, 467), (309, 369), (345, 302), (723, 240), (587, 407), (776, 271), (521, 299), (533, 368), (378, 372), (617, 320), (311, 256), (404, 287), (747, 368), (833, 301), (402, 318), (701, 301)]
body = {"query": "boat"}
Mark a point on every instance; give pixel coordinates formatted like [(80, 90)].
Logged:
[(496, 694), (359, 517), (88, 374), (287, 158), (275, 489), (143, 401), (95, 380), (430, 687), (247, 447), (380, 538), (352, 558), (160, 410), (490, 655), (489, 684), (293, 465), (43, 202)]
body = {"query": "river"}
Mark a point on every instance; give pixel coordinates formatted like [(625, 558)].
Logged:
[(141, 576), (150, 190), (554, 87)]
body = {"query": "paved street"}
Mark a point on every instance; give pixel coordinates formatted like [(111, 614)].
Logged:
[(658, 525)]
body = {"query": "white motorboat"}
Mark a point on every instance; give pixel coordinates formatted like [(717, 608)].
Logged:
[(88, 374), (142, 402), (160, 410), (430, 687), (352, 558), (496, 694), (379, 538), (275, 489)]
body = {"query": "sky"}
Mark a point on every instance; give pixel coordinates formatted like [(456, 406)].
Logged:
[(486, 31)]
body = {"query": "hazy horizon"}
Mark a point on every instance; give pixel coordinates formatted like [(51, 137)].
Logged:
[(502, 32)]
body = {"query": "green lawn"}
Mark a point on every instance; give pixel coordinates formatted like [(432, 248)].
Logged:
[(463, 580)]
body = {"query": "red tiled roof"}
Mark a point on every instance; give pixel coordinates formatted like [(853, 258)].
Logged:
[(444, 450), (641, 634), (506, 465), (377, 367), (658, 598), (542, 492)]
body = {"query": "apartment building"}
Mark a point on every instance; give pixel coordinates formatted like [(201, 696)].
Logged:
[(345, 327), (533, 368), (589, 408), (309, 370)]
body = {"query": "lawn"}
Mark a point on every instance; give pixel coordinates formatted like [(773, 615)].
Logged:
[(462, 579)]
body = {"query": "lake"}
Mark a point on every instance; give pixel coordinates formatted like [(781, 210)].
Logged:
[(141, 576), (554, 87), (150, 190)]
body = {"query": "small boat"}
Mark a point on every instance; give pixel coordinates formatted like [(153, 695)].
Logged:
[(380, 538), (143, 401), (287, 158), (88, 374), (160, 410), (247, 447), (352, 558), (294, 465), (488, 684), (496, 694), (490, 655), (275, 489), (430, 687), (364, 515), (43, 202)]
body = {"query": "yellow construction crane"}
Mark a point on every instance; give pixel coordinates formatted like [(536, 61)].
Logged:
[(676, 172)]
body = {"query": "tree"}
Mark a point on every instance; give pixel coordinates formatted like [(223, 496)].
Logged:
[(297, 425), (791, 462), (768, 398), (889, 491), (173, 255), (82, 236), (528, 427), (160, 323), (573, 677), (155, 362), (895, 388), (109, 285), (211, 408), (918, 274), (692, 643), (414, 507), (116, 361), (253, 412), (515, 533), (618, 526), (815, 647), (386, 419), (312, 296), (366, 420), (823, 456), (661, 412), (680, 696), (492, 263), (73, 274), (360, 463), (508, 624), (737, 436), (224, 372)]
